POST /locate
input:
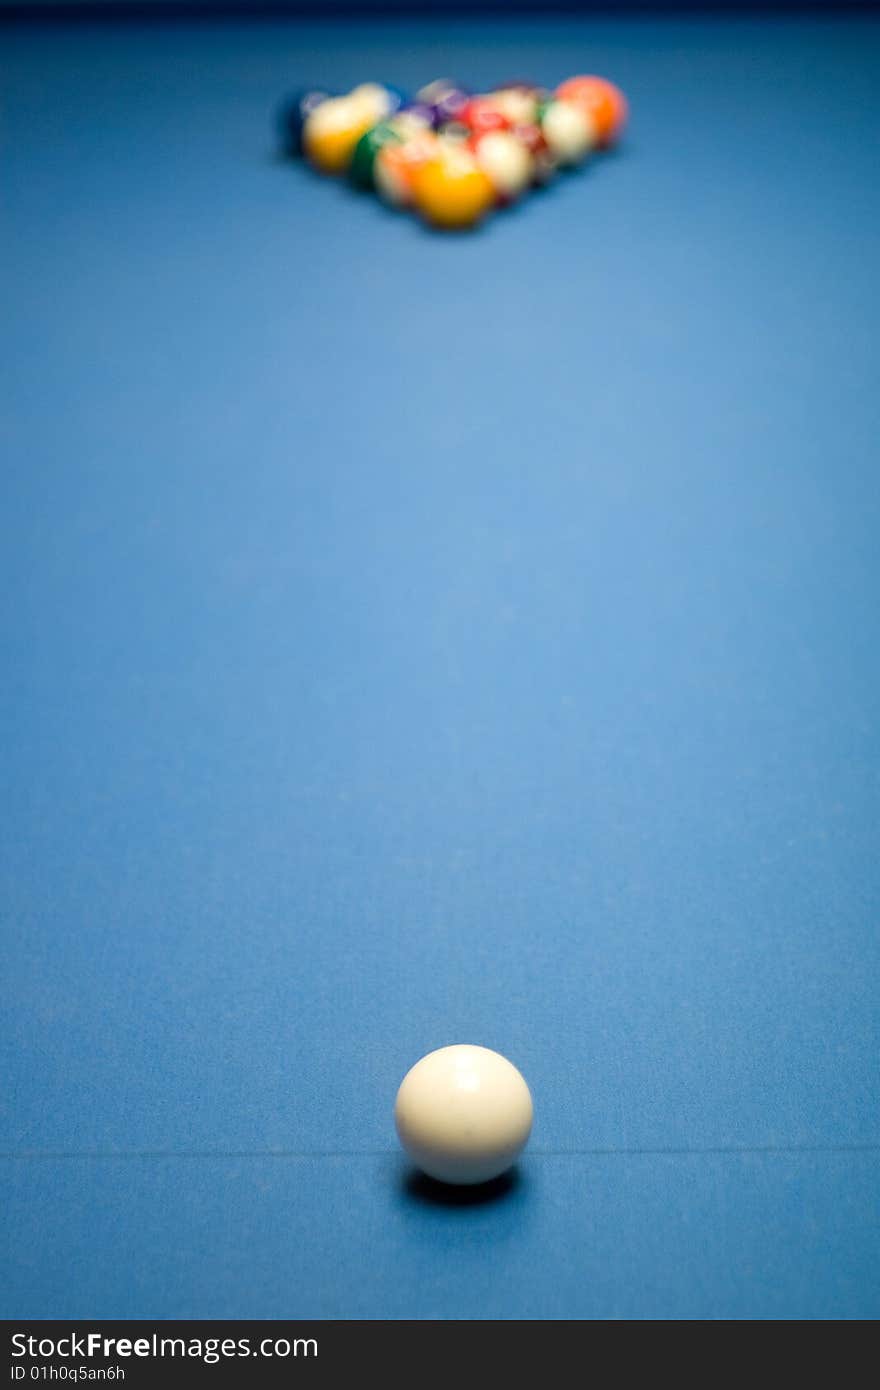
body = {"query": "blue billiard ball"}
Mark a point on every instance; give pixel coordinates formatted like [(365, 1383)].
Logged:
[(397, 98), (292, 116)]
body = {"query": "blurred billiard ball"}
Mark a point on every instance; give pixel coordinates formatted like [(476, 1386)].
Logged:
[(292, 116)]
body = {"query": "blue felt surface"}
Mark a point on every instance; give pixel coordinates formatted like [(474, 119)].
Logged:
[(410, 640)]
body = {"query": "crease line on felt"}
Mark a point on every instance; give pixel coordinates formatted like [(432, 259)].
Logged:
[(646, 1152)]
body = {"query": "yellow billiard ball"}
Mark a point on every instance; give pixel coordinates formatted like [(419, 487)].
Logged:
[(451, 190), (331, 132)]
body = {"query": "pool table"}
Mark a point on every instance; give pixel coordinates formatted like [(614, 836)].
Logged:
[(412, 639)]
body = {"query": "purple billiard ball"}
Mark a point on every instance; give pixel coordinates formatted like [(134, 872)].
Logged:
[(445, 98), (420, 111)]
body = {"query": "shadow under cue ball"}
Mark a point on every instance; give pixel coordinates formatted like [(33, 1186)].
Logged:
[(463, 1114)]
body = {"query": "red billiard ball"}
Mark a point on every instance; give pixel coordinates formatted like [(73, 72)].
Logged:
[(544, 161), (482, 115)]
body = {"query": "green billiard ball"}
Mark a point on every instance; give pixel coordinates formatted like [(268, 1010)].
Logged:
[(366, 149)]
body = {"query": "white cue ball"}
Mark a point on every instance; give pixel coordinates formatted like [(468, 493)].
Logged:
[(463, 1114)]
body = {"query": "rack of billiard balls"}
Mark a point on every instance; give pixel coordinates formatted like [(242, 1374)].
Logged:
[(449, 154)]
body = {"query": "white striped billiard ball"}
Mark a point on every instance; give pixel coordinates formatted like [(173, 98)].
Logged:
[(506, 161)]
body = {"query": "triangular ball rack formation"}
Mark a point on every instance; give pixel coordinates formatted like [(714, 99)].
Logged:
[(449, 154)]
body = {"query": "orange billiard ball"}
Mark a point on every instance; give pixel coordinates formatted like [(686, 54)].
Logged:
[(398, 164), (604, 102)]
